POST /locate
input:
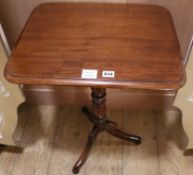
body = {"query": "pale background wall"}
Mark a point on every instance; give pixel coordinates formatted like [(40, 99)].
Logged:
[(14, 13)]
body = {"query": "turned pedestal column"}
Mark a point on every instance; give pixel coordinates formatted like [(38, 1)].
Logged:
[(97, 116)]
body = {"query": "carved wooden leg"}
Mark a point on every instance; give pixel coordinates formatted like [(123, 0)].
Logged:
[(12, 149), (122, 135), (97, 116), (83, 157), (91, 117)]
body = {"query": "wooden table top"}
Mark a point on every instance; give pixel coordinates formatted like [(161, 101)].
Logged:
[(137, 42)]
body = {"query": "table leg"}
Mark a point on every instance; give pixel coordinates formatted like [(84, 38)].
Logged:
[(83, 157), (97, 116)]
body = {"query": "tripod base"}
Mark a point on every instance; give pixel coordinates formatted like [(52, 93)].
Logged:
[(100, 125)]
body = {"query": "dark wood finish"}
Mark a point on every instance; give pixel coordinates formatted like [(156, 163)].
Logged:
[(138, 42), (79, 96), (100, 123), (13, 16)]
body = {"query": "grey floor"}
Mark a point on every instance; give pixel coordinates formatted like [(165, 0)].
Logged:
[(53, 137)]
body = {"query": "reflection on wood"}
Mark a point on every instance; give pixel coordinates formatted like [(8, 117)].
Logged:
[(184, 101), (53, 138), (10, 98)]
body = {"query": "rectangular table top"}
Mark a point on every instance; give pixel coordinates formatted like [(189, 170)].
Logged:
[(138, 43)]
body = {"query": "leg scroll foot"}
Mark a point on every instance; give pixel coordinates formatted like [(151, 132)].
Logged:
[(97, 117), (122, 135), (83, 157), (85, 110)]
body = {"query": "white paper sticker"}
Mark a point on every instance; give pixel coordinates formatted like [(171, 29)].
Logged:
[(89, 73), (108, 74)]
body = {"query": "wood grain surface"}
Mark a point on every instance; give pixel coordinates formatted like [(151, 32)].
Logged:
[(52, 147), (13, 16), (138, 42)]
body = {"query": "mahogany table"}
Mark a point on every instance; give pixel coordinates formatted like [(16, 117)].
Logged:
[(101, 46)]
